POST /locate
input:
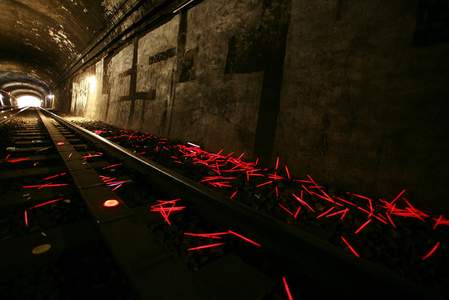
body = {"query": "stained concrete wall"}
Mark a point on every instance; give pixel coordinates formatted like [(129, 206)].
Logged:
[(362, 106), (358, 102)]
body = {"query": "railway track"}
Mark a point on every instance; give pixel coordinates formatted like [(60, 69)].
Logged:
[(68, 191)]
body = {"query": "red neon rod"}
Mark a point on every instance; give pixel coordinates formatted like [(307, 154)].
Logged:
[(287, 171), (233, 195), (325, 213), (25, 217), (346, 201), (245, 238), (165, 202), (431, 252), (297, 212), (363, 226), (41, 186), (304, 203), (55, 176), (18, 160), (398, 196), (265, 183), (287, 288), (343, 213), (47, 203), (286, 210), (173, 208), (214, 235), (391, 220), (112, 166), (440, 221), (205, 246), (350, 247), (168, 209), (277, 163)]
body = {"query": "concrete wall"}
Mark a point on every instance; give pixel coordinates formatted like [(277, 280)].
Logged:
[(362, 106), (352, 92)]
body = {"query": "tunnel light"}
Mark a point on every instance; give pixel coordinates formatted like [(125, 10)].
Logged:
[(24, 101), (92, 81), (50, 96)]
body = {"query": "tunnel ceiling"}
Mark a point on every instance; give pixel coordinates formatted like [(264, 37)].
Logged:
[(40, 38)]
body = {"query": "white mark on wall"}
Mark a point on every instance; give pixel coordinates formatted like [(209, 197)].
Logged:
[(62, 40)]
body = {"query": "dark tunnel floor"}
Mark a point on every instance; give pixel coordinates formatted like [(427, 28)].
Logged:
[(393, 232)]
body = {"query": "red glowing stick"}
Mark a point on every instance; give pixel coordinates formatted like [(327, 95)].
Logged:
[(287, 288), (205, 246), (214, 235), (234, 194), (41, 186), (265, 183), (275, 177), (277, 163), (346, 201), (220, 184), (359, 196), (165, 202), (350, 247), (398, 196), (287, 171), (304, 203), (286, 210), (168, 209), (244, 238), (297, 212), (325, 213), (47, 203), (55, 176), (25, 217), (303, 181), (112, 166), (18, 160), (431, 251), (381, 219), (440, 221), (165, 216), (90, 155), (343, 213), (363, 226), (390, 220), (418, 213)]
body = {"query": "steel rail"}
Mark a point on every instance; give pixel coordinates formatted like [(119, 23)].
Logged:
[(8, 118)]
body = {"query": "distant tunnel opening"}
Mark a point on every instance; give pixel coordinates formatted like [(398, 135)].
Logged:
[(29, 100)]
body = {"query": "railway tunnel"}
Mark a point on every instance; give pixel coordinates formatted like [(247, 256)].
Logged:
[(224, 149)]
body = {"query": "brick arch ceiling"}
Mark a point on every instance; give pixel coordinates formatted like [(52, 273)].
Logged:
[(40, 38)]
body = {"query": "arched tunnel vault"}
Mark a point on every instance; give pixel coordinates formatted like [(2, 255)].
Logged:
[(40, 38)]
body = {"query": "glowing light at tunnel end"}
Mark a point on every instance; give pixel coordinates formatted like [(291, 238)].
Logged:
[(28, 100)]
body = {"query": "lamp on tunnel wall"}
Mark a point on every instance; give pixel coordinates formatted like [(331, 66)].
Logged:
[(49, 100), (92, 82)]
